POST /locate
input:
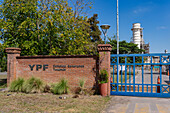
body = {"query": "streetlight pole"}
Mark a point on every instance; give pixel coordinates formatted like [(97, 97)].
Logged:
[(117, 27), (117, 41)]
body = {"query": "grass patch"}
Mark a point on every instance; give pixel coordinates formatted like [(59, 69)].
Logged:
[(81, 85), (33, 103)]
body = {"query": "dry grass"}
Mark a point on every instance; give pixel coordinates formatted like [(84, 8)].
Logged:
[(50, 103), (33, 103), (3, 76)]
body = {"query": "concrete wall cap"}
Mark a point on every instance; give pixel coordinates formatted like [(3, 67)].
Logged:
[(104, 47), (13, 50), (57, 56)]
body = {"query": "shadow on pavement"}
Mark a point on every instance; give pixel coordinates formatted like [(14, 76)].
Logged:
[(168, 82), (152, 73)]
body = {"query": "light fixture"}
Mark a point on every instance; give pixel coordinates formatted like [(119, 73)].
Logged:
[(105, 28)]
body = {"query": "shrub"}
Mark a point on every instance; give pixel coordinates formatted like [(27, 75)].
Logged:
[(103, 77), (61, 87), (81, 85), (33, 85), (54, 88), (17, 85), (47, 88)]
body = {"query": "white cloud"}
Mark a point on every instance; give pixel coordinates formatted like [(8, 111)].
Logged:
[(141, 10), (161, 27)]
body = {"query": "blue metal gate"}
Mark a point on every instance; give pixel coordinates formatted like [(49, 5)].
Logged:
[(140, 75)]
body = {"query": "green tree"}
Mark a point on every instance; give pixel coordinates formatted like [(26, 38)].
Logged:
[(43, 27), (65, 34), (18, 25), (125, 48), (94, 33), (3, 58), (81, 7), (94, 29)]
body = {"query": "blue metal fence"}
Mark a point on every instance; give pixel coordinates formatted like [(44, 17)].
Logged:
[(139, 76)]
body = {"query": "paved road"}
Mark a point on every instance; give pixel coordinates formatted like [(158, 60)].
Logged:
[(123, 104), (3, 73), (147, 78)]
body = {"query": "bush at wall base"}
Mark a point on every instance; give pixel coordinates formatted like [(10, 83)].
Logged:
[(32, 85), (17, 85), (61, 87)]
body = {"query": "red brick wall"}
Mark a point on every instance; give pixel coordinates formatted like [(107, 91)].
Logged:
[(104, 61), (73, 74), (11, 63), (88, 67)]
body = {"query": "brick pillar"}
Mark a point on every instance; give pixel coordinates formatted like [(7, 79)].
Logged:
[(104, 60), (12, 53)]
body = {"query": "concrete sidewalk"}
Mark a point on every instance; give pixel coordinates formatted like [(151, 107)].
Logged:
[(147, 78), (124, 104)]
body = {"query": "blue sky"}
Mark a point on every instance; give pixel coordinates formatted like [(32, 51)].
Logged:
[(154, 16)]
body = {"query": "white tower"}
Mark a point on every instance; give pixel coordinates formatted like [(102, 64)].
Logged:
[(137, 34)]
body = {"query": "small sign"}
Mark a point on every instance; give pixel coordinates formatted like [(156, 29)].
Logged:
[(55, 67)]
